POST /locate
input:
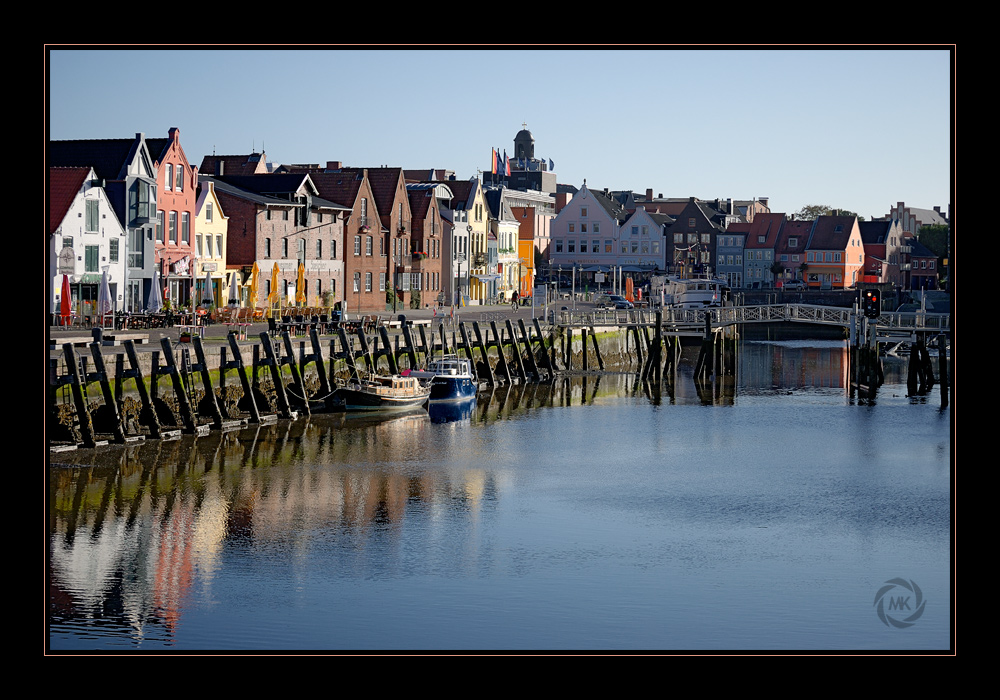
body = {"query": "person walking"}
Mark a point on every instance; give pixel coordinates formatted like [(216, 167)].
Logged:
[(513, 302)]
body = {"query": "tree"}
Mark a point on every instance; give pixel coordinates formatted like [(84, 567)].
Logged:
[(810, 212), (935, 237)]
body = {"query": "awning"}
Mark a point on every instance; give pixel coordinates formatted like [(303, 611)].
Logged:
[(485, 277)]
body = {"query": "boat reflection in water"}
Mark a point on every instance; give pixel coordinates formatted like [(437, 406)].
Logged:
[(451, 411)]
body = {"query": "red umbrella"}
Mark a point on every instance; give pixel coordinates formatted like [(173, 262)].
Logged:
[(64, 309)]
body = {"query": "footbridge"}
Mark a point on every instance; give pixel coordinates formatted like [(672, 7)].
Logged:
[(693, 321)]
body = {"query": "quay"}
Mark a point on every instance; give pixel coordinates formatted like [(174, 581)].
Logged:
[(154, 385)]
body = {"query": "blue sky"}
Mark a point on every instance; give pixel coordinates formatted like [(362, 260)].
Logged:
[(850, 128)]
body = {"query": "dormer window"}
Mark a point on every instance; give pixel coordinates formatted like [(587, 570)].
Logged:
[(793, 242)]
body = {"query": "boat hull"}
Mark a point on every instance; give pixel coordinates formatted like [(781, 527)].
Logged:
[(354, 400), (452, 388)]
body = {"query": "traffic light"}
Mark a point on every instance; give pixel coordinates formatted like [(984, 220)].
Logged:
[(873, 307)]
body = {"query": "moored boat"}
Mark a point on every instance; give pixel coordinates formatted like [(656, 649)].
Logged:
[(380, 393), (450, 378)]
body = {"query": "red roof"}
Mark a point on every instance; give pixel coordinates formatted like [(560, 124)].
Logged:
[(64, 186)]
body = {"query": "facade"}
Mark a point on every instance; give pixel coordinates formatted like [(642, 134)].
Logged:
[(835, 254), (641, 241), (129, 175), (176, 184), (504, 227), (86, 239), (590, 216), (883, 243), (692, 239), (364, 254), (912, 218), (760, 251), (791, 252), (923, 266), (527, 250), (280, 219), (428, 241), (211, 227), (729, 254), (470, 216)]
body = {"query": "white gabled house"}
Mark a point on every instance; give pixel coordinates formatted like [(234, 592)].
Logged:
[(86, 239)]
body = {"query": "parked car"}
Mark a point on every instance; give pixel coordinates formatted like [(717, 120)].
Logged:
[(619, 302), (792, 285)]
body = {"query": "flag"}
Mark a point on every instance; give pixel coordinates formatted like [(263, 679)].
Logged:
[(506, 164), (493, 162), (552, 166)]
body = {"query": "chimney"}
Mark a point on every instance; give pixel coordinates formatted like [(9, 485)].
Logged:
[(334, 165), (649, 194), (220, 168)]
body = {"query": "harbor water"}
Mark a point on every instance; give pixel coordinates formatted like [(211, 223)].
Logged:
[(773, 511)]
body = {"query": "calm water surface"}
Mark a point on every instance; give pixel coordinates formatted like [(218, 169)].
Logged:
[(762, 513)]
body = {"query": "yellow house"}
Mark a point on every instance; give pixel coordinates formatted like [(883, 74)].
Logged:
[(211, 226)]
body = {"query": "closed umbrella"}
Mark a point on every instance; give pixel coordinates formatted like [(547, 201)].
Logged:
[(300, 286), (104, 304), (65, 309), (254, 284), (155, 302), (234, 293), (208, 293), (274, 297)]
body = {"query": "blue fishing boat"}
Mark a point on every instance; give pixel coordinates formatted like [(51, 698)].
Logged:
[(450, 378)]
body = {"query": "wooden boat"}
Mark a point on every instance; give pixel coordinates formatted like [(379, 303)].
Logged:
[(380, 393)]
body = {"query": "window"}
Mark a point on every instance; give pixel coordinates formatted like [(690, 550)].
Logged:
[(113, 250), (186, 227), (572, 228), (91, 258), (267, 247), (583, 228), (368, 245), (173, 227), (333, 249), (284, 215), (645, 230), (169, 178), (656, 247), (583, 245), (691, 223), (180, 179), (793, 242), (595, 246), (559, 246), (706, 238), (93, 215), (678, 238), (208, 212), (368, 281), (381, 280), (571, 246), (218, 244), (645, 247), (583, 211), (597, 227), (761, 239), (608, 246), (357, 281), (635, 247), (357, 247), (159, 226), (319, 248), (635, 230), (284, 247)]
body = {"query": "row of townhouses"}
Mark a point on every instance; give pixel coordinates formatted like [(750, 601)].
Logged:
[(137, 211), (742, 242)]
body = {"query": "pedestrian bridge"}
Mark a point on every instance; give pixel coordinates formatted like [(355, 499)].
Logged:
[(693, 320)]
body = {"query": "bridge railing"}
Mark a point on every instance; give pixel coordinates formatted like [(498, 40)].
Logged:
[(734, 315)]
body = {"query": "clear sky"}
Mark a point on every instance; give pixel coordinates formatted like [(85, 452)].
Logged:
[(851, 128)]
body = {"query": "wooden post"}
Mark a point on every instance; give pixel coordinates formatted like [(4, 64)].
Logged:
[(206, 381), (501, 358), (597, 349), (272, 362), (409, 349), (109, 398), (390, 355), (187, 416), (483, 353), (583, 338), (530, 353), (517, 350), (468, 349), (296, 374), (79, 396), (237, 362)]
